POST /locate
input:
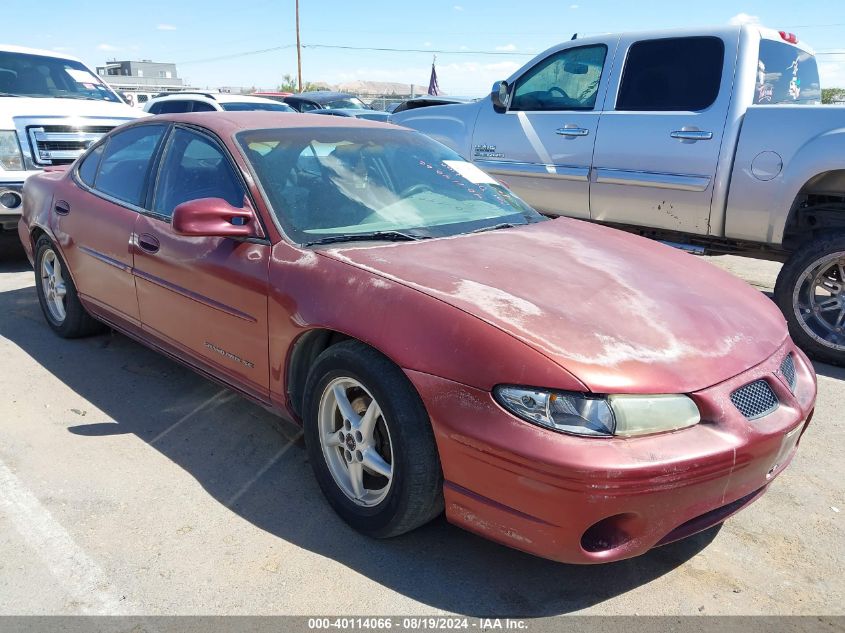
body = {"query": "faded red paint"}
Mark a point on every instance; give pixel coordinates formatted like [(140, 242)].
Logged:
[(561, 304)]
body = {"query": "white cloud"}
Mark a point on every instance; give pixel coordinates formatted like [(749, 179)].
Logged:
[(458, 7), (506, 47), (463, 47), (832, 73), (165, 27), (744, 18), (107, 47), (427, 44), (573, 6)]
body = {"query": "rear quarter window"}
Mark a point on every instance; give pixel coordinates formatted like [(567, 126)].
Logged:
[(786, 74), (679, 74)]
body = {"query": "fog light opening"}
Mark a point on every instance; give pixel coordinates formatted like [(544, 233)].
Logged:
[(10, 199), (610, 533)]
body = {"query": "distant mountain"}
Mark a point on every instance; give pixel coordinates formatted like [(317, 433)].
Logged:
[(380, 88)]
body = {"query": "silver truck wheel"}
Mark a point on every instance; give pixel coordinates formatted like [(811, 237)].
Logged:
[(810, 291)]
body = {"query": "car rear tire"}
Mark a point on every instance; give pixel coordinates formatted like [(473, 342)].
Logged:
[(57, 294), (370, 442), (810, 291)]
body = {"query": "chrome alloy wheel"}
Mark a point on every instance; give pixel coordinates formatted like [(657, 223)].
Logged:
[(355, 441), (53, 285), (819, 300)]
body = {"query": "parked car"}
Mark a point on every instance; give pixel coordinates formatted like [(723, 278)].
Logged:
[(430, 100), (320, 99), (179, 102), (711, 139), (370, 115), (275, 96), (52, 107), (563, 388)]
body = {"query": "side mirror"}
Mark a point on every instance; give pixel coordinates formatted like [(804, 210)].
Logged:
[(500, 95), (213, 217)]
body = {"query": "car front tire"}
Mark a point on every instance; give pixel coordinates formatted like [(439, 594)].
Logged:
[(370, 442)]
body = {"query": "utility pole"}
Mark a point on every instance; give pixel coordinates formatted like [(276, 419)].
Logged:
[(298, 52)]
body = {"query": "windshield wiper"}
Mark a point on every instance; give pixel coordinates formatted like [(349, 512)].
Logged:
[(495, 227), (86, 97), (389, 236)]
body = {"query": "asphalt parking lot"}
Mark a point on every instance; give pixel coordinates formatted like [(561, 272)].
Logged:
[(129, 484)]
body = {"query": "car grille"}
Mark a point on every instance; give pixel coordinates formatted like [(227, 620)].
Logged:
[(755, 399), (787, 370), (62, 144)]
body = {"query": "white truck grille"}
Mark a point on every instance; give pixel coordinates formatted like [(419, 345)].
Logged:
[(61, 144), (60, 140)]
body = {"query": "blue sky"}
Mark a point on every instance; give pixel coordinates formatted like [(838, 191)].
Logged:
[(190, 32)]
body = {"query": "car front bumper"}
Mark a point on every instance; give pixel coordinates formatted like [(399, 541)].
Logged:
[(592, 500)]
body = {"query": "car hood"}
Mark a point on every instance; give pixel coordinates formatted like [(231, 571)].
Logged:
[(35, 107), (620, 312)]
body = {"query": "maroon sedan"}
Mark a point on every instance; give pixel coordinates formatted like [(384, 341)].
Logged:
[(559, 387)]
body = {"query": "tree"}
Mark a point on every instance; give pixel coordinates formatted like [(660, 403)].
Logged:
[(289, 84), (831, 95)]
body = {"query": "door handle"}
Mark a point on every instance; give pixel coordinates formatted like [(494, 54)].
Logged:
[(566, 130), (61, 207), (148, 243), (691, 135)]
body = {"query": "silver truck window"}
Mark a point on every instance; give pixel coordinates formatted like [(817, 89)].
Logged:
[(786, 74), (679, 74), (566, 80)]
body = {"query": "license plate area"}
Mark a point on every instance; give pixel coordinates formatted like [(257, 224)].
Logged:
[(787, 446)]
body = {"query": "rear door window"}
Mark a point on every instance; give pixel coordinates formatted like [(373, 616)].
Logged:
[(88, 169), (202, 106), (680, 74), (786, 74), (173, 106), (125, 164)]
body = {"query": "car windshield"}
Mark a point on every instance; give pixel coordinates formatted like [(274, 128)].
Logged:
[(26, 75), (328, 183), (353, 103), (256, 105)]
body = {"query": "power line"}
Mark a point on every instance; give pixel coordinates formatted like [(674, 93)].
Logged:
[(416, 50), (438, 51), (235, 55)]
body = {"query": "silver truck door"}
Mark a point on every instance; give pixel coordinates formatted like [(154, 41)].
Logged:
[(542, 145), (658, 144)]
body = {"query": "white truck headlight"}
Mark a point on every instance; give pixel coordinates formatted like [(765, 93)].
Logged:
[(11, 157), (599, 416)]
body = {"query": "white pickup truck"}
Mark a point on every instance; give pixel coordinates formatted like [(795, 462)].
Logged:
[(713, 140), (52, 107)]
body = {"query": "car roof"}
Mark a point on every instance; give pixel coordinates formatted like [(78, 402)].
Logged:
[(225, 123), (9, 48), (321, 96), (221, 97)]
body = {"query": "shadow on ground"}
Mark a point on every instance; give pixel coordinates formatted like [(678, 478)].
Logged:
[(224, 442)]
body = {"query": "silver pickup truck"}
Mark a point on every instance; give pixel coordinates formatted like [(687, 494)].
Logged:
[(713, 140)]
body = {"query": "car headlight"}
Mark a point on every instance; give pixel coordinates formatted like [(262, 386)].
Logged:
[(11, 157), (600, 416)]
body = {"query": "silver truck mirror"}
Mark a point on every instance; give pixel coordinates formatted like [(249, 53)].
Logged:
[(500, 95)]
